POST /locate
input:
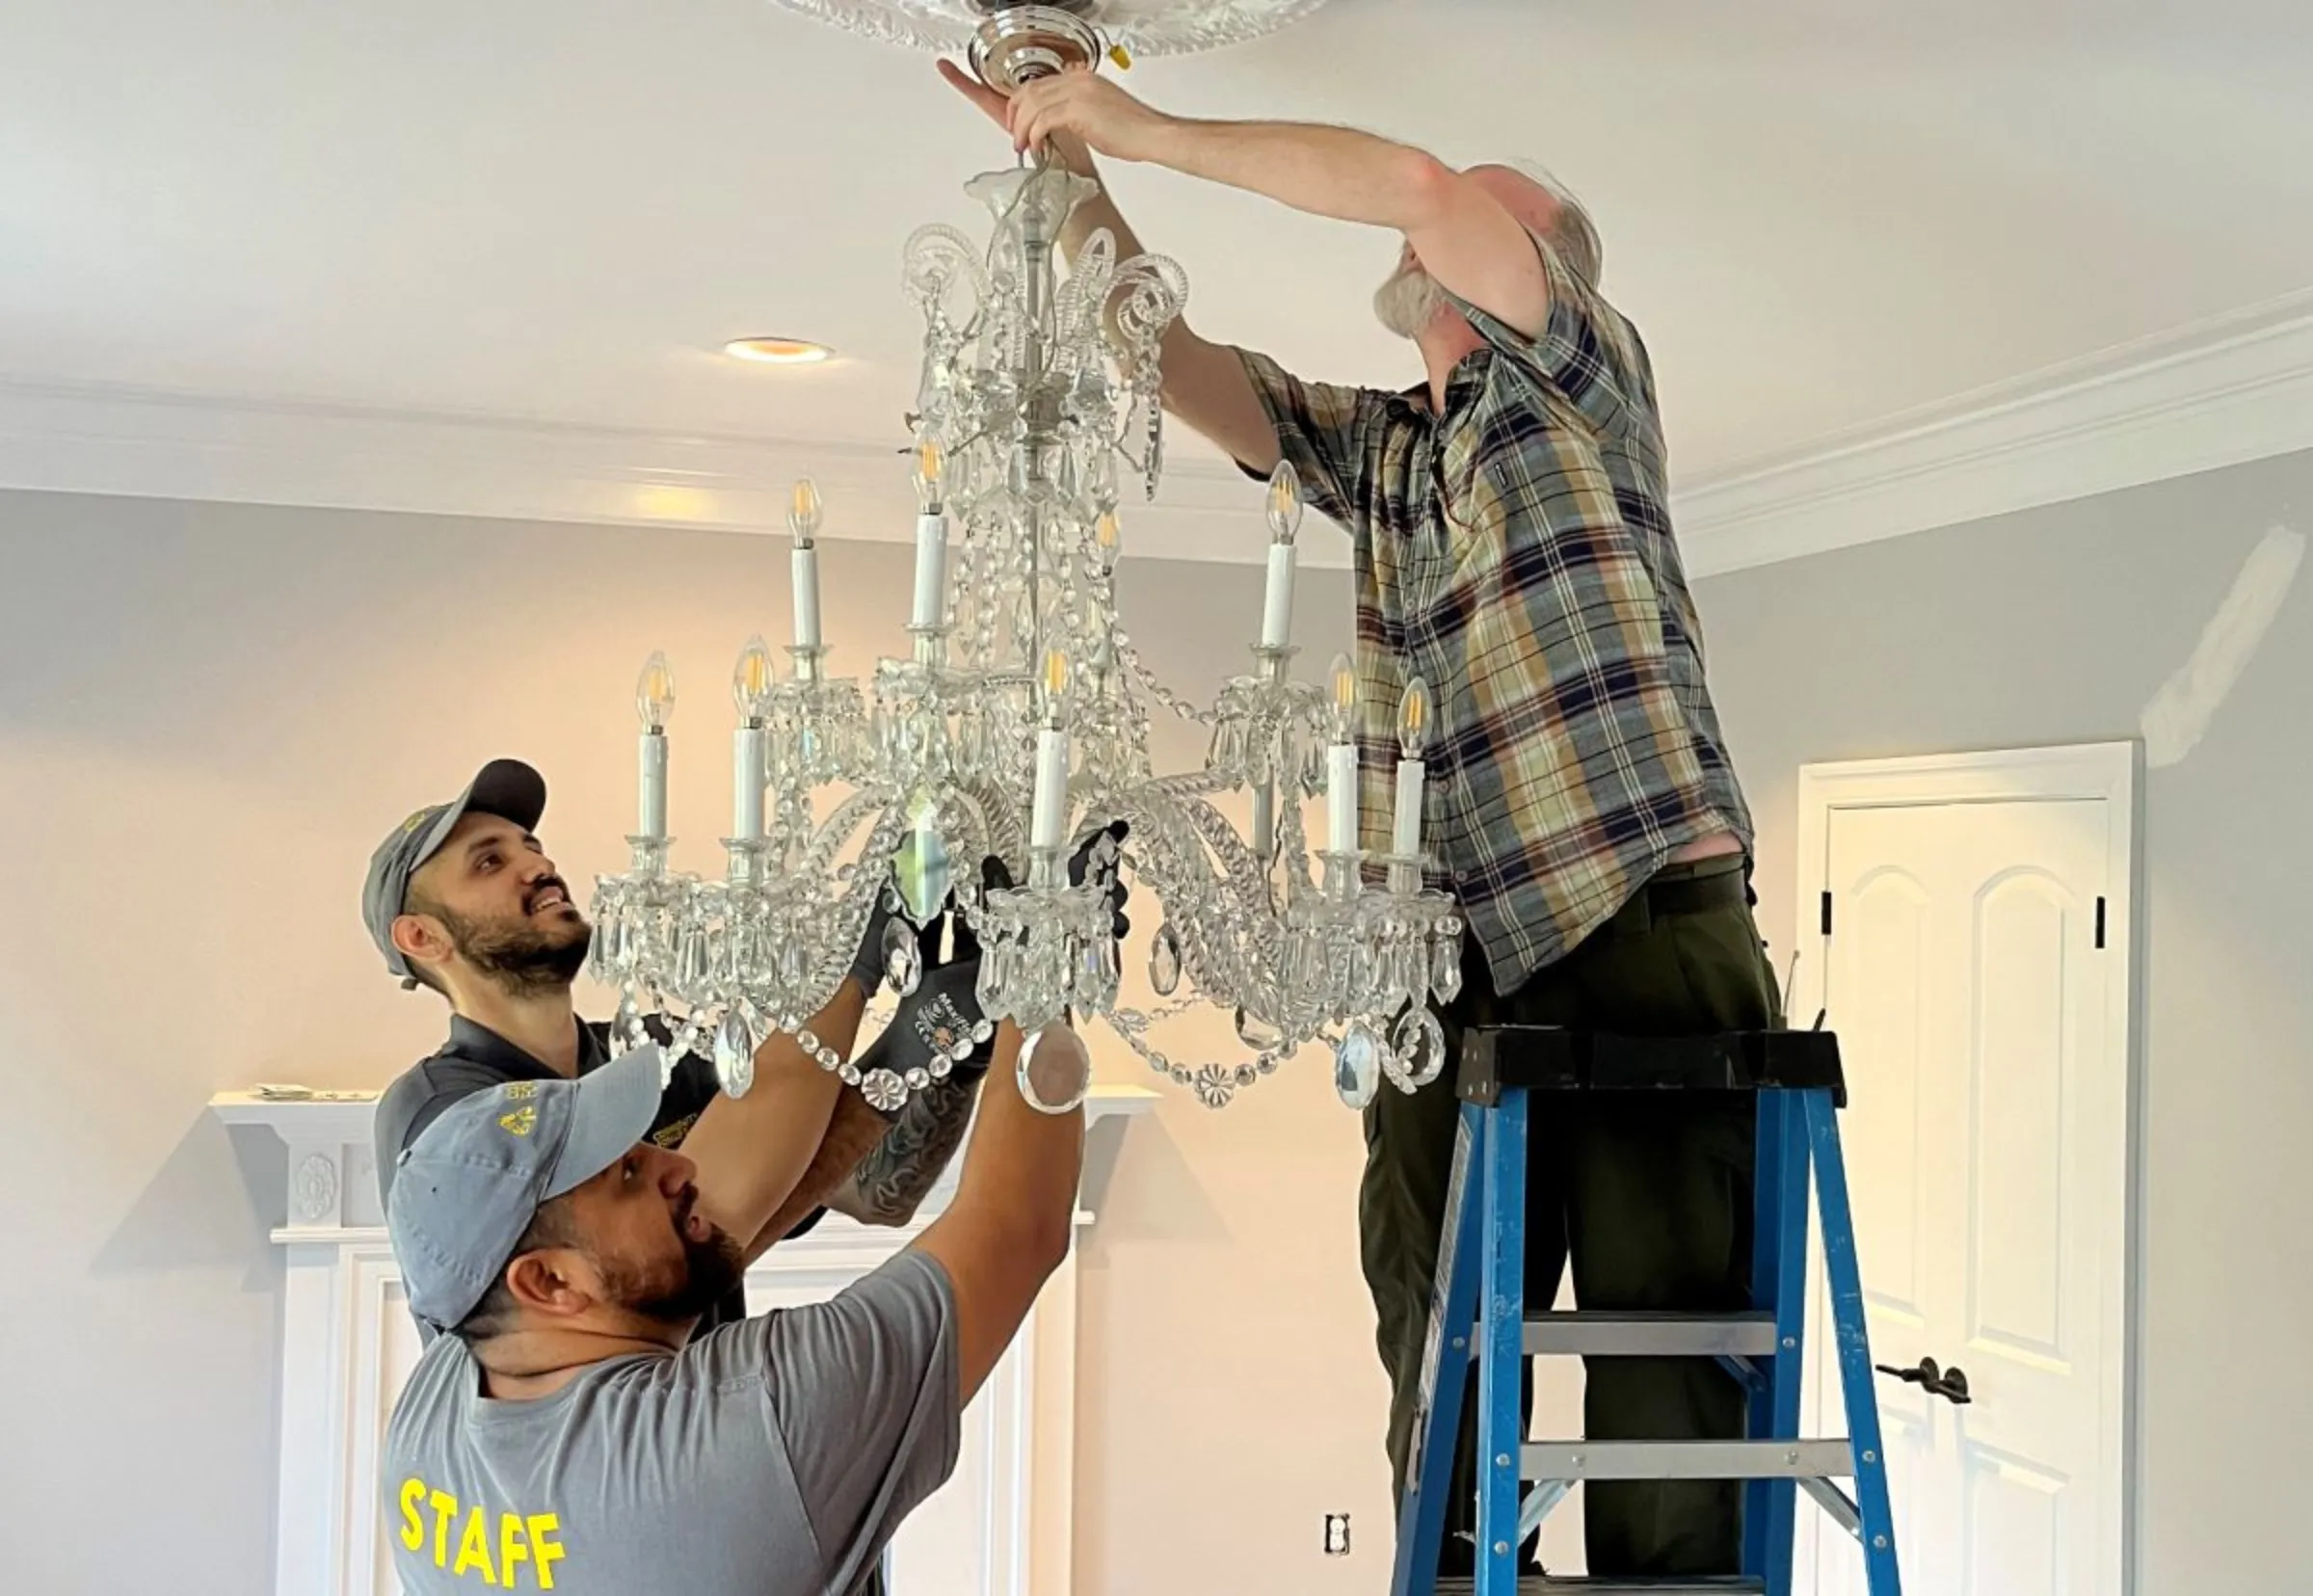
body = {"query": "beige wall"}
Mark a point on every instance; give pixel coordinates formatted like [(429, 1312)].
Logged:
[(210, 714)]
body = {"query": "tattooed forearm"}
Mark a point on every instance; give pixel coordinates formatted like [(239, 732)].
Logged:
[(892, 1182)]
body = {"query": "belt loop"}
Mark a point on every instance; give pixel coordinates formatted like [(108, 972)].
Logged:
[(1638, 914)]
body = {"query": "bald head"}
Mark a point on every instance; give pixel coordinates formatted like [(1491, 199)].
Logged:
[(1545, 208)]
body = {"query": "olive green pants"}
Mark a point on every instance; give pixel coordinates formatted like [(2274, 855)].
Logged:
[(1649, 1195)]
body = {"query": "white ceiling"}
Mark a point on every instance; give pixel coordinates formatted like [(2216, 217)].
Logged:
[(557, 210)]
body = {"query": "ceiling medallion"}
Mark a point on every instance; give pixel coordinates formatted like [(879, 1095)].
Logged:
[(1010, 42)]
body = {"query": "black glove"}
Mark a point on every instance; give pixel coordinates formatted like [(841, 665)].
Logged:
[(939, 1029), (1097, 858)]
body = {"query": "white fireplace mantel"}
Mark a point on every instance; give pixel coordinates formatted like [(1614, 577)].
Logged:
[(1000, 1527)]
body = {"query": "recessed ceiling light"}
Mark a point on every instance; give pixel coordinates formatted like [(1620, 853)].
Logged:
[(777, 351)]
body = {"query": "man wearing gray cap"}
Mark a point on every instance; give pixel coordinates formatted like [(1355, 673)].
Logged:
[(564, 1433), (463, 898)]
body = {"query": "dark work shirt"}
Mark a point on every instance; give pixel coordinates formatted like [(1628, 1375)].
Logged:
[(476, 1058)]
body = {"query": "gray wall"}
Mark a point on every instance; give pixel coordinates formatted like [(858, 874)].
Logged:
[(208, 716), (2056, 626)]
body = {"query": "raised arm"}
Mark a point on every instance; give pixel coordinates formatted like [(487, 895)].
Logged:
[(1015, 1210), (892, 1182), (760, 1154), (1462, 233), (853, 1131), (756, 1152), (1205, 383)]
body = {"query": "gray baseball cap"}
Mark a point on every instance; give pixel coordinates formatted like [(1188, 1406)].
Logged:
[(504, 787), (469, 1187)]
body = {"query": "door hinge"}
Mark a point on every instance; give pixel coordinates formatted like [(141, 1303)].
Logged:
[(2100, 923), (1826, 912)]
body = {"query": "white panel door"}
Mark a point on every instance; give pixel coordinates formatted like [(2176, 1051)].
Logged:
[(1983, 1025)]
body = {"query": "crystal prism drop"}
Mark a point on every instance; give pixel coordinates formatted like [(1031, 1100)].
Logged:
[(1357, 1066), (1059, 1084), (734, 1052), (1446, 969), (1258, 1033), (1419, 1044), (1164, 961), (903, 962), (921, 866), (598, 951)]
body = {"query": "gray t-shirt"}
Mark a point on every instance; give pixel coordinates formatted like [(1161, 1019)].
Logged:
[(771, 1457)]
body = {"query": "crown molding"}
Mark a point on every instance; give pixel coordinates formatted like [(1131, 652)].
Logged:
[(2216, 393), (139, 442)]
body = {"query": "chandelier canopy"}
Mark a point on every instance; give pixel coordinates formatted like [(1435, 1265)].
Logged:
[(1138, 27), (1019, 725)]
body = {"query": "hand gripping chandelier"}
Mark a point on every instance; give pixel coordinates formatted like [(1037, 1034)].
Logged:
[(1019, 724)]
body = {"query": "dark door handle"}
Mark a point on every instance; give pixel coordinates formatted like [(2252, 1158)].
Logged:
[(1950, 1384)]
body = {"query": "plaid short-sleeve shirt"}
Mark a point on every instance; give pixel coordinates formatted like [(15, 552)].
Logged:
[(1515, 551)]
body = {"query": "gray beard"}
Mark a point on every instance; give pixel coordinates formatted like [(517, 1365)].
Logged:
[(1408, 302)]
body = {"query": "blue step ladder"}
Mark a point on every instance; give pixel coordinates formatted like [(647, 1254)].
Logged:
[(1797, 1079)]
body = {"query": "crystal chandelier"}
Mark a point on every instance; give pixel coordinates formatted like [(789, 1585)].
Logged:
[(1020, 722)]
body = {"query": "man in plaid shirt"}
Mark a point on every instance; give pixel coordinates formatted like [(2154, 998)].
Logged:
[(1513, 549)]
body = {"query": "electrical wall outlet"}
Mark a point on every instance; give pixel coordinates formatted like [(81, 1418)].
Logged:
[(1336, 1535)]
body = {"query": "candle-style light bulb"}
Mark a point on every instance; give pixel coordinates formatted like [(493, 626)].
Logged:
[(1285, 520), (655, 693), (931, 466), (1341, 686), (1413, 736), (802, 520), (804, 513), (653, 705), (1054, 682), (751, 679), (1284, 503), (1413, 712), (1340, 760), (1108, 541), (1048, 823)]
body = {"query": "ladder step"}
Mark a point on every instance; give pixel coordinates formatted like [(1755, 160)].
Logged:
[(1686, 1460), (1541, 1585), (1650, 1334)]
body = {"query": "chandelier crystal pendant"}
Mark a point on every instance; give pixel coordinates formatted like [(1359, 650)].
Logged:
[(1019, 725)]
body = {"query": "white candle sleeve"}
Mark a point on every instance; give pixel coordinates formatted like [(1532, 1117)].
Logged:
[(806, 568), (1407, 836), (1049, 821), (1340, 797), (1277, 602), (654, 785), (931, 570), (747, 754)]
